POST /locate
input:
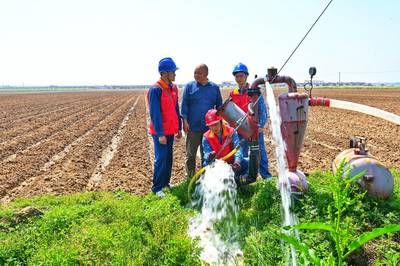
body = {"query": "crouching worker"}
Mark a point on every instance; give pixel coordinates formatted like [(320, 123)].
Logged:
[(213, 145)]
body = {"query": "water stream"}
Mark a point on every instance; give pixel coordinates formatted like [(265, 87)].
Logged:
[(279, 147), (216, 224)]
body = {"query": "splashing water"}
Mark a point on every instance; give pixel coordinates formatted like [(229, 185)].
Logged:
[(219, 209), (279, 150)]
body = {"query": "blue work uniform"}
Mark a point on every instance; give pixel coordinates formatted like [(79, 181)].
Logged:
[(162, 152)]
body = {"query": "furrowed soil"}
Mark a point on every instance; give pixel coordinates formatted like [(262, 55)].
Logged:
[(61, 143)]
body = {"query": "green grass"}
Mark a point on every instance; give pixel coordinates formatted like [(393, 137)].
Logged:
[(122, 229), (98, 229)]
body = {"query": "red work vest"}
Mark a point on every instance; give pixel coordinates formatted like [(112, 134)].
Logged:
[(241, 100), (169, 98), (216, 146)]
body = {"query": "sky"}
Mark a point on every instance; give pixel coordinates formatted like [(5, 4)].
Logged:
[(106, 42)]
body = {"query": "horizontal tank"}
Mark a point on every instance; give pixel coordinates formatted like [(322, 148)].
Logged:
[(377, 180)]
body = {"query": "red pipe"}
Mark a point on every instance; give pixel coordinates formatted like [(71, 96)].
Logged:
[(284, 79), (257, 82), (276, 79), (319, 101)]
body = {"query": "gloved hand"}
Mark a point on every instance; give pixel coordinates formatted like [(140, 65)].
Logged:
[(211, 156), (236, 166)]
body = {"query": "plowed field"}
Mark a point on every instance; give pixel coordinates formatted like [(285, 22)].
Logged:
[(59, 143)]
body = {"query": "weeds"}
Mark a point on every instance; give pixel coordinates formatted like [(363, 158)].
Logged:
[(122, 229), (99, 229), (340, 226)]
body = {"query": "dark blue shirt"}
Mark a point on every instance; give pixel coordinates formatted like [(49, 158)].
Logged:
[(155, 110), (197, 100)]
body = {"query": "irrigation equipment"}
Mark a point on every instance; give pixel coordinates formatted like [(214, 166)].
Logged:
[(293, 108)]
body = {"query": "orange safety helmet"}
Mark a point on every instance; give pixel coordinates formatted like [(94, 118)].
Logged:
[(212, 117)]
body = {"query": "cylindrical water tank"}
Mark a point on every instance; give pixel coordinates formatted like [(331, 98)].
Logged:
[(377, 179), (234, 115)]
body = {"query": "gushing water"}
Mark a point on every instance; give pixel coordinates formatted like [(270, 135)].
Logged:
[(366, 110), (279, 150), (217, 197)]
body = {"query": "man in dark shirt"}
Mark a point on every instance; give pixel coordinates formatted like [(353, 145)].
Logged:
[(199, 96)]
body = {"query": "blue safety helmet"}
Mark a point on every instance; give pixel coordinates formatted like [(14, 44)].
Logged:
[(167, 65), (240, 68)]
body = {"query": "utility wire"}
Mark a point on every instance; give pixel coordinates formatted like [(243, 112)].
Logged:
[(312, 26), (315, 22)]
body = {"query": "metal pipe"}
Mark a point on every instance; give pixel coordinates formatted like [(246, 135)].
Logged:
[(257, 82), (319, 101), (254, 160), (283, 79), (274, 80)]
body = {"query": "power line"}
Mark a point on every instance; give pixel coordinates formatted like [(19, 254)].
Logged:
[(312, 26)]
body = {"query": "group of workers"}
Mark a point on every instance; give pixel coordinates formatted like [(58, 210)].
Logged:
[(199, 119)]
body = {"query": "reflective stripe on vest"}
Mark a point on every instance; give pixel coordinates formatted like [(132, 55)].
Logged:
[(169, 98), (216, 145)]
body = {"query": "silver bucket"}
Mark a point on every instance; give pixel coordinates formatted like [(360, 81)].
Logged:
[(234, 116)]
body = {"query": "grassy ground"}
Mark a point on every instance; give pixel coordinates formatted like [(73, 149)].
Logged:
[(122, 229)]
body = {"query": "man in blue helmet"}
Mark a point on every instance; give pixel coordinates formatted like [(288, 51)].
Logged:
[(165, 123), (241, 98), (199, 96)]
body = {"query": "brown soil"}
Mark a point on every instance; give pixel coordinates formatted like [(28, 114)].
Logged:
[(54, 143)]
